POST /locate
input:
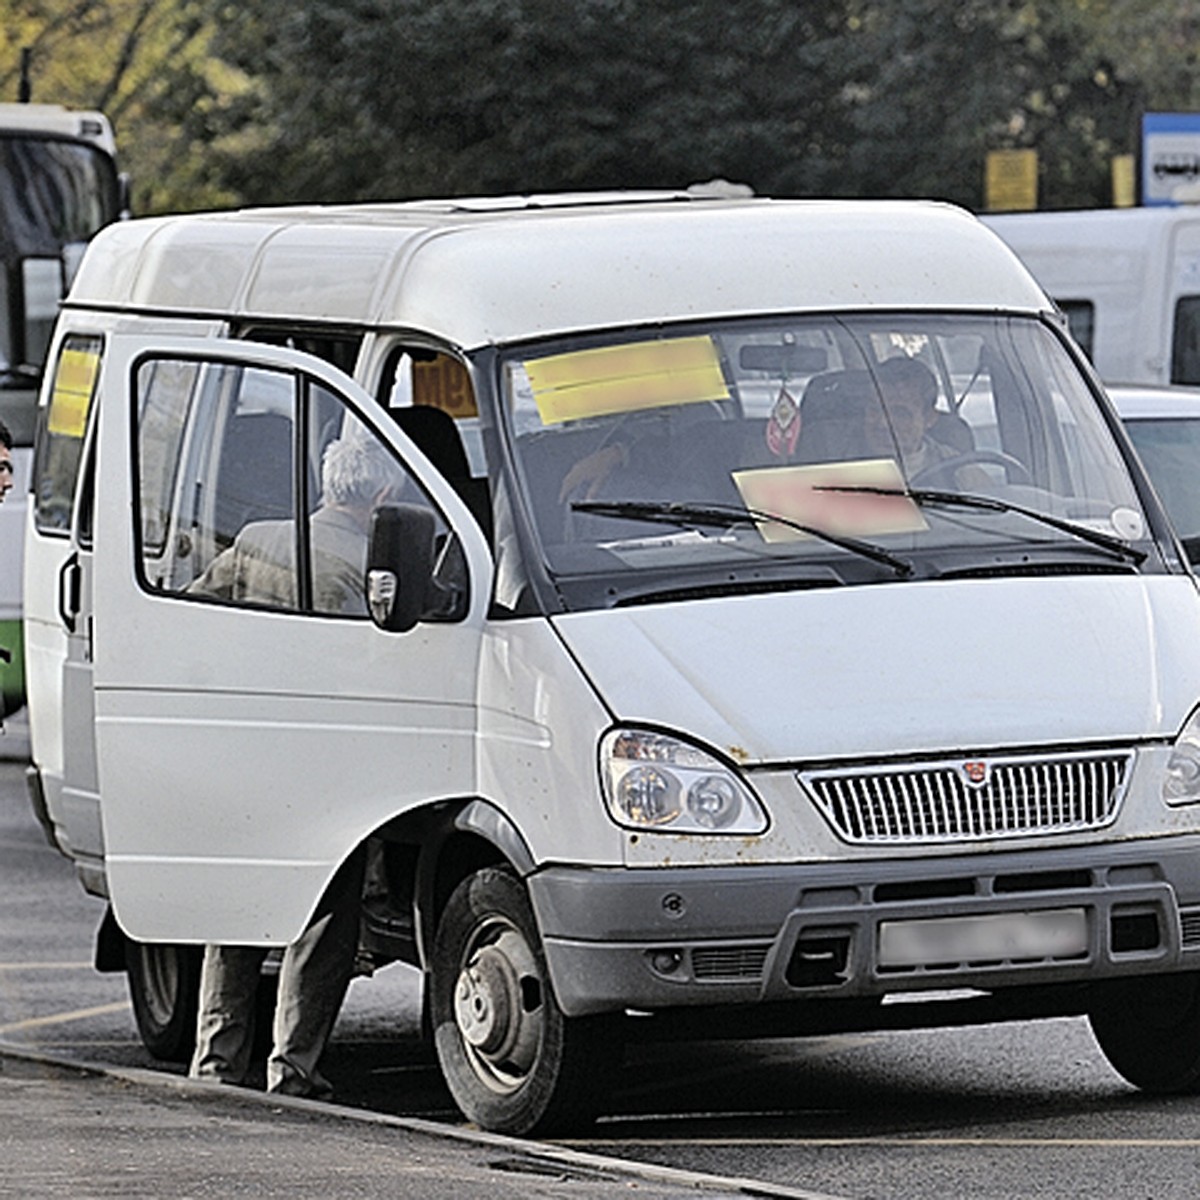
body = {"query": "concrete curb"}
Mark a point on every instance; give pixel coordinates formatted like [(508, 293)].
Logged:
[(542, 1154)]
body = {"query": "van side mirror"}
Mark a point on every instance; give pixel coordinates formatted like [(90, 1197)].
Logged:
[(414, 573)]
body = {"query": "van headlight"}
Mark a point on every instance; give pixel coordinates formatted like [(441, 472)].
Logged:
[(654, 781), (1181, 784)]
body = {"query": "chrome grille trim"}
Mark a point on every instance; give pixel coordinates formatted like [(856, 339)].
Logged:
[(923, 803)]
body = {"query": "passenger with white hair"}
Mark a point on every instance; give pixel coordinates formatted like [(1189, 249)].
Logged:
[(259, 568)]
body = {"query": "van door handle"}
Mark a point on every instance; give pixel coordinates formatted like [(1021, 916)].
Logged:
[(70, 580)]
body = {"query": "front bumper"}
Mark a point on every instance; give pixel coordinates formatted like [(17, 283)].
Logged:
[(665, 937)]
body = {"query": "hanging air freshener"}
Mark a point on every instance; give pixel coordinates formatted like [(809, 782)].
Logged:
[(783, 427)]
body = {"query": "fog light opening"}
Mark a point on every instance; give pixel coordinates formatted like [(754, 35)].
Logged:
[(666, 962)]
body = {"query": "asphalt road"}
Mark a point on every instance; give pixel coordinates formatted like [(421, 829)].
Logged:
[(1028, 1109)]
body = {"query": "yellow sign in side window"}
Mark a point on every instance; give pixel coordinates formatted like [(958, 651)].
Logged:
[(444, 383), (616, 379), (74, 382)]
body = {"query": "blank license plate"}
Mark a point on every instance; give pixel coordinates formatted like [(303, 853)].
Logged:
[(1056, 933)]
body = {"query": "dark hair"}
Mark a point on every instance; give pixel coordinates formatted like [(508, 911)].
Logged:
[(907, 372), (5, 436)]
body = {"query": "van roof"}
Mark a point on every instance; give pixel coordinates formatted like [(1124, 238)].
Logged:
[(495, 270), (1098, 231)]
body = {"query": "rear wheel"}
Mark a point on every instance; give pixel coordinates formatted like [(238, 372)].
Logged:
[(1149, 1030), (164, 985), (513, 1061)]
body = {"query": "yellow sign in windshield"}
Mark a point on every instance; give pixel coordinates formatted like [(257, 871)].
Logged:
[(72, 395), (615, 379)]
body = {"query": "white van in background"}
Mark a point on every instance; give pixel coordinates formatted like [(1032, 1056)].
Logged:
[(1128, 280), (764, 615)]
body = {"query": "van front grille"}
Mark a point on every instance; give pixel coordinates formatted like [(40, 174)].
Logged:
[(965, 800), (1189, 920), (729, 962)]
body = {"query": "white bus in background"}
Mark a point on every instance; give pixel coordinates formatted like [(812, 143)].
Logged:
[(58, 186), (1128, 280)]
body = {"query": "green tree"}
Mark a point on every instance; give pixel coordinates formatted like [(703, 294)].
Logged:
[(497, 95), (939, 86), (147, 64), (216, 102), (393, 98)]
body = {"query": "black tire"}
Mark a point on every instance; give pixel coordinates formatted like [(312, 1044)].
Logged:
[(164, 985), (1149, 1030), (512, 1061)]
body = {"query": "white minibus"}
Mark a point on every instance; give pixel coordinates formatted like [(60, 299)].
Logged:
[(763, 618)]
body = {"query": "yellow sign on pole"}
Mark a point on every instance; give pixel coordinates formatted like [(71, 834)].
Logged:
[(1010, 181), (1124, 181)]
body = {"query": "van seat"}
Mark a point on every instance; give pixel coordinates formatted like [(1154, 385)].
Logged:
[(833, 415), (435, 434), (256, 476)]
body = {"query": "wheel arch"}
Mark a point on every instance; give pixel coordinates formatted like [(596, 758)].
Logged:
[(432, 849), (478, 835)]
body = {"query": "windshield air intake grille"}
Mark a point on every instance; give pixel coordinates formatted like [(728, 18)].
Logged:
[(972, 799)]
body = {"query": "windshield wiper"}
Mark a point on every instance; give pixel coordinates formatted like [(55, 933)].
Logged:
[(934, 498), (727, 516)]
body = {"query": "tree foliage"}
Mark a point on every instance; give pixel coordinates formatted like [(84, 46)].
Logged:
[(149, 65), (217, 102)]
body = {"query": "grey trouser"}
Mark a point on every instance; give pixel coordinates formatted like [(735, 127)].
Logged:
[(313, 977)]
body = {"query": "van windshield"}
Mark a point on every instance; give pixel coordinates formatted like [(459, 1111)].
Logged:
[(815, 450)]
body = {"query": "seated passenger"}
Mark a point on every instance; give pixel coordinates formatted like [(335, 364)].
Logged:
[(260, 564)]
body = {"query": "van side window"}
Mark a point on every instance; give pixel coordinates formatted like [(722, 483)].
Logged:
[(256, 487), (1081, 321), (60, 439), (339, 348), (1185, 341)]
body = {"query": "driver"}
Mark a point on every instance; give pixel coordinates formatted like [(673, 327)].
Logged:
[(901, 425)]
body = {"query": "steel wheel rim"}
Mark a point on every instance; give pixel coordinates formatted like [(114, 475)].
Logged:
[(499, 1007)]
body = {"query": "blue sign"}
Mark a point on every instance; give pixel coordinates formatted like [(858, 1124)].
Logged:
[(1170, 158)]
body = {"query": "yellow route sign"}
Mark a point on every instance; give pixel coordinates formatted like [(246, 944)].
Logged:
[(1010, 181)]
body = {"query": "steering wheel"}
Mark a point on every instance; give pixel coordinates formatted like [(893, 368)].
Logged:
[(1018, 472)]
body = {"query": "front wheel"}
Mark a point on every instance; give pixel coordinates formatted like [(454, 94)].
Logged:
[(164, 986), (1149, 1030), (512, 1060)]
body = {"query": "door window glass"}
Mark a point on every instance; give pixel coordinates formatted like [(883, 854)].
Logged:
[(60, 443), (257, 487), (217, 481)]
